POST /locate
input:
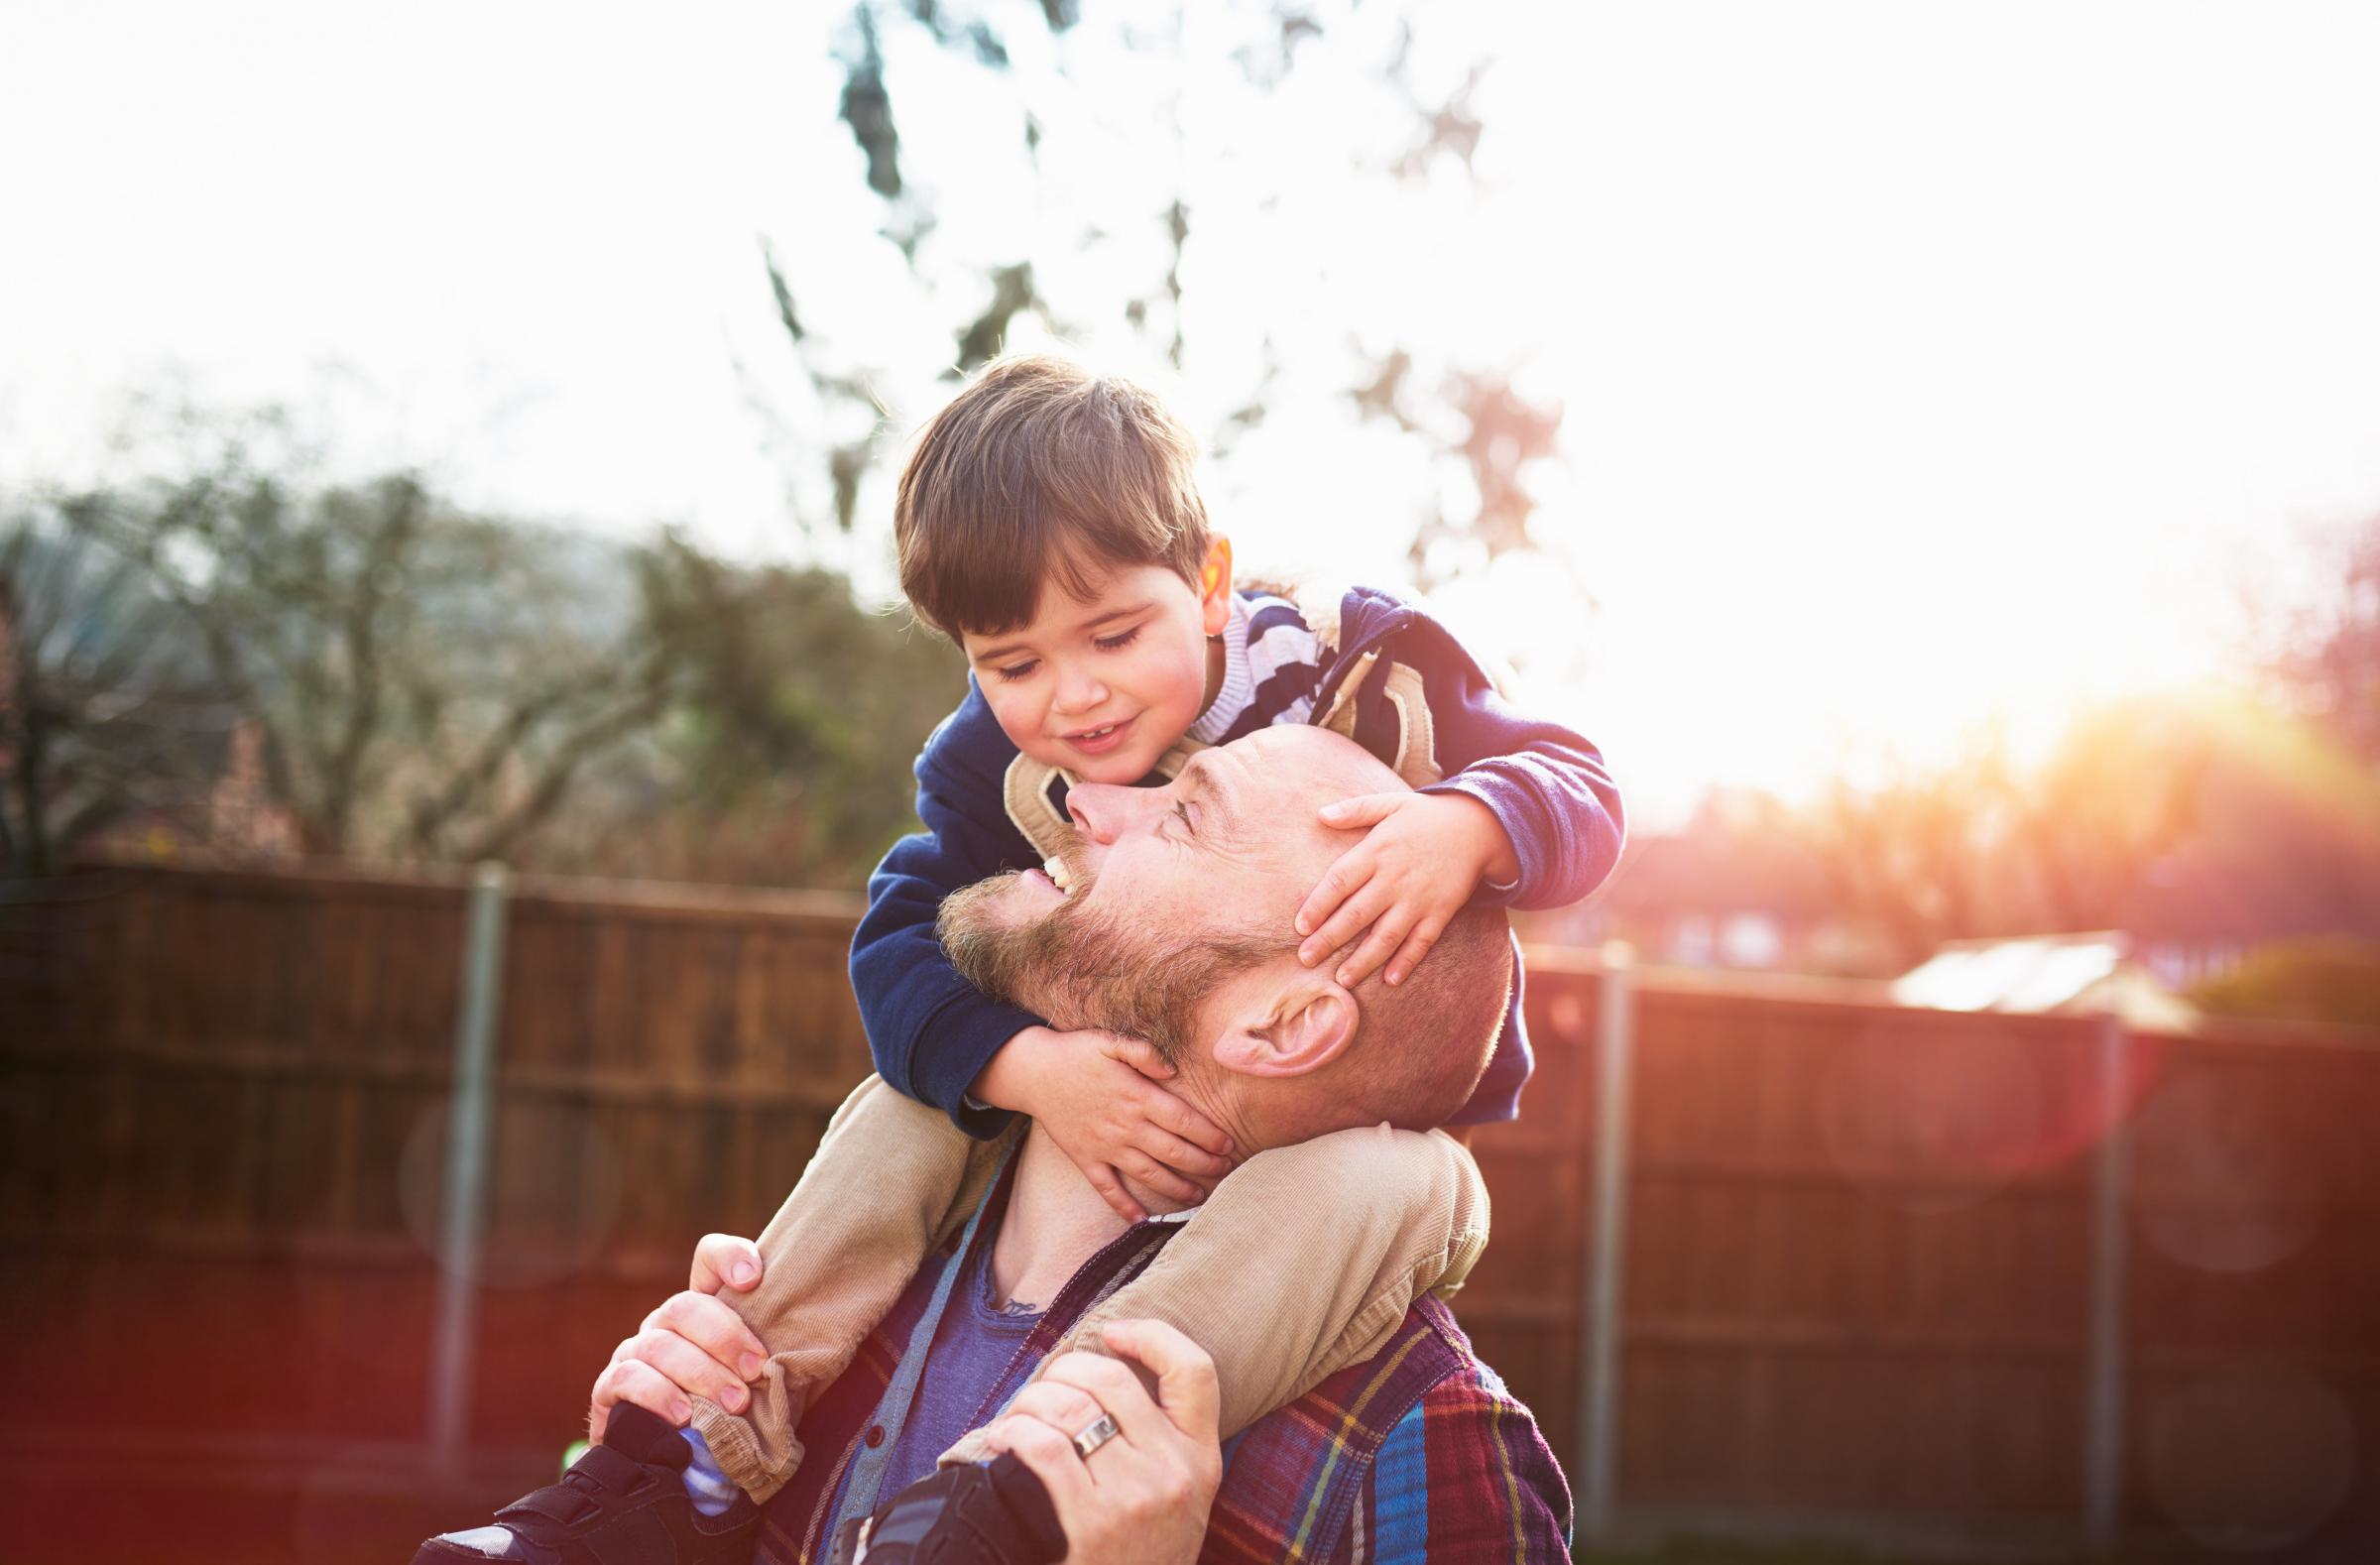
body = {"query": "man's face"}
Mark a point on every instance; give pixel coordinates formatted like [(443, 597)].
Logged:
[(1165, 887)]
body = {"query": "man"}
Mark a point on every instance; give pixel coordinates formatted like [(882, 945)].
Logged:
[(1414, 1453)]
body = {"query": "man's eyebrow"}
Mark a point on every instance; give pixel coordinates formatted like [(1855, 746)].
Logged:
[(1220, 818)]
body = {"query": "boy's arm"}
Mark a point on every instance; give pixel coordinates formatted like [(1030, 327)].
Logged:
[(1546, 786), (907, 988)]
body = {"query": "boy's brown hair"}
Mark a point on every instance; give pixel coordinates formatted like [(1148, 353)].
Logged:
[(1042, 471)]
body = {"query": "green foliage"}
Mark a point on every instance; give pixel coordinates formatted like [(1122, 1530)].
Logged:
[(2332, 979), (421, 682), (784, 756)]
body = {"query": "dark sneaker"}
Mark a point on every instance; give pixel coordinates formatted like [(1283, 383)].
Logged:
[(996, 1514), (624, 1503)]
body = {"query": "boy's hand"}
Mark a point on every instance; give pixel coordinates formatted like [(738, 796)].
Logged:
[(1094, 1092), (1422, 857), (694, 1345)]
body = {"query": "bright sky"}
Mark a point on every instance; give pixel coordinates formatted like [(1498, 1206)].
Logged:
[(1920, 362)]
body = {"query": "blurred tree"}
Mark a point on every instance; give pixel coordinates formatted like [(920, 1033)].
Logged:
[(783, 756), (2120, 793), (2328, 662), (1980, 846), (106, 712), (235, 644), (2211, 822), (1924, 857), (1115, 248), (428, 683)]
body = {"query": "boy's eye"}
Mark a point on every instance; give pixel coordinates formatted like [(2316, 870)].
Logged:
[(1120, 641), (1018, 671)]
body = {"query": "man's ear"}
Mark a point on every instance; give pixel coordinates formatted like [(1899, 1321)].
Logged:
[(1215, 586), (1289, 1027)]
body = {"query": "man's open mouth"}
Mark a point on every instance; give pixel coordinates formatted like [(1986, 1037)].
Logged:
[(1059, 876)]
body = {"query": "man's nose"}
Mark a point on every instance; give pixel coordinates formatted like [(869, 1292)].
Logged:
[(1104, 811)]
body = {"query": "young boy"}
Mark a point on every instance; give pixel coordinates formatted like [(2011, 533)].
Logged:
[(1048, 523)]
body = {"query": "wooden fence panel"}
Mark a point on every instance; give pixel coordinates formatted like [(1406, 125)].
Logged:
[(1857, 1266), (229, 1096), (2255, 1306)]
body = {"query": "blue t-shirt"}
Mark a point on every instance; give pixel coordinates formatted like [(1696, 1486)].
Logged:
[(975, 1364)]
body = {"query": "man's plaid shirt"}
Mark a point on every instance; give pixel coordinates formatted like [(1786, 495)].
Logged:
[(1417, 1455)]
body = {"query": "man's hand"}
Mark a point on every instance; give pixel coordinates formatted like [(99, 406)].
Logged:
[(694, 1344), (1420, 860), (1097, 1095), (1142, 1497)]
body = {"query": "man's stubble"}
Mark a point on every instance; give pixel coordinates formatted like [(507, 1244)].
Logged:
[(1084, 967)]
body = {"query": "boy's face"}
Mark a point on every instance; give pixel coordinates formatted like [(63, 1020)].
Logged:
[(1105, 685)]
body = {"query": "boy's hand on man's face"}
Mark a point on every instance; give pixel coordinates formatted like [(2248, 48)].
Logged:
[(1097, 1095), (1421, 857)]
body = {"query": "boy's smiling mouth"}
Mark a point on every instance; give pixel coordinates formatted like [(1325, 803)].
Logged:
[(1097, 741)]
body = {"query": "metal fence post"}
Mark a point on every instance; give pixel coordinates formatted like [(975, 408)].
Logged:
[(1599, 1389), (2103, 1408), (463, 1218)]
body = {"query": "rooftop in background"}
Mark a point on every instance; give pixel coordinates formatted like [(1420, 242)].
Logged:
[(2047, 975)]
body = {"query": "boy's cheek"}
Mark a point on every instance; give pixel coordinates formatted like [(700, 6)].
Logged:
[(1019, 721)]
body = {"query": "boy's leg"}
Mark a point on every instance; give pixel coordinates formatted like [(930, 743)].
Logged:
[(891, 1180), (1302, 1263)]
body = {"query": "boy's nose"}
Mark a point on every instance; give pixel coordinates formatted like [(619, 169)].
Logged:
[(1080, 693)]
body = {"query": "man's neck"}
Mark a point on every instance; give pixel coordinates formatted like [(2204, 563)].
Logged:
[(1055, 1223)]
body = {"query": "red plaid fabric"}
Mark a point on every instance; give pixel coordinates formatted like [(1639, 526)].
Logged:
[(1417, 1456)]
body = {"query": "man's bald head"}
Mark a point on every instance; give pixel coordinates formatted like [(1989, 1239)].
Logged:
[(1180, 928)]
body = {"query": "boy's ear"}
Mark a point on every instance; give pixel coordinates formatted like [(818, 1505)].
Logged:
[(1290, 1028), (1215, 586)]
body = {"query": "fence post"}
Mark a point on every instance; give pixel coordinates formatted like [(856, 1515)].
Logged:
[(1598, 1381), (2103, 1411), (464, 1215)]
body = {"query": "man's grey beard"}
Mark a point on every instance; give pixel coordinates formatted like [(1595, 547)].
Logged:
[(1082, 967)]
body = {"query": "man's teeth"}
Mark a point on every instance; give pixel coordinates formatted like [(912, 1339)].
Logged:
[(1055, 869)]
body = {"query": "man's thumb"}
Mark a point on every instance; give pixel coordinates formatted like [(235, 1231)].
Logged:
[(1186, 1388)]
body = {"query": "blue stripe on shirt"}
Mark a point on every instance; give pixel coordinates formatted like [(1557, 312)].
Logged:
[(1400, 1489)]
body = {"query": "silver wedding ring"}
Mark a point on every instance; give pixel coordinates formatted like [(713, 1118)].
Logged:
[(1094, 1434)]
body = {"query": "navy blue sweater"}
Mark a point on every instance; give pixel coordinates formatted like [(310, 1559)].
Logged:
[(933, 1032)]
